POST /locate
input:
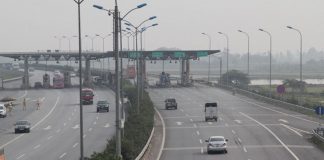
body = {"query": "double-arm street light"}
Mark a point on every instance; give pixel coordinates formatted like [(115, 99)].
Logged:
[(209, 38), (69, 39), (248, 51), (227, 55), (59, 38), (117, 28), (270, 55), (143, 30), (301, 58), (137, 56), (91, 38)]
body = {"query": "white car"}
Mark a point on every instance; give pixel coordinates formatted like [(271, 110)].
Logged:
[(217, 144), (3, 110)]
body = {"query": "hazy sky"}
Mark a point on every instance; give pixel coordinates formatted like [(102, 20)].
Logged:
[(30, 25)]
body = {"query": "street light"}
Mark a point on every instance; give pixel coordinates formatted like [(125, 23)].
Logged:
[(209, 38), (79, 2), (227, 53), (137, 57), (248, 52), (301, 57), (69, 39), (103, 49), (59, 41), (262, 30), (92, 38)]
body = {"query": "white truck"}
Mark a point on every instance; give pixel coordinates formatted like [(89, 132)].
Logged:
[(211, 111)]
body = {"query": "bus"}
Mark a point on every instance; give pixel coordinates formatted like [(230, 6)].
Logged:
[(58, 81)]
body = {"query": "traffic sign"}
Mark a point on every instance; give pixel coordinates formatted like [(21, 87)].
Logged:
[(157, 54), (319, 110), (134, 54), (179, 54), (202, 54)]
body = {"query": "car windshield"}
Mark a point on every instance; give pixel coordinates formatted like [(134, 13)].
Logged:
[(86, 93), (21, 123), (102, 102), (216, 139), (171, 100)]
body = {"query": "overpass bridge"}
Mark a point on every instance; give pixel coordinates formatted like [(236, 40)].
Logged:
[(184, 56)]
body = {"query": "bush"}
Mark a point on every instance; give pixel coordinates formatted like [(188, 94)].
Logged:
[(137, 128)]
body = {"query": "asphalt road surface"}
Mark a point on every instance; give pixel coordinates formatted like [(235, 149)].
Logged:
[(55, 127), (255, 130)]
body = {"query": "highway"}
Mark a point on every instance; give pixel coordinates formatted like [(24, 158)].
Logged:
[(255, 130), (55, 127)]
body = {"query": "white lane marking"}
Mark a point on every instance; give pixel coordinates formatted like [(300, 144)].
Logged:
[(107, 125), (273, 134), (90, 129), (288, 127), (50, 112), (62, 155), (59, 130), (36, 146), (198, 133), (210, 123), (75, 145), (72, 113), (50, 137), (48, 128), (278, 111), (97, 118), (95, 122), (84, 136), (69, 118), (226, 124), (179, 123), (238, 121), (163, 135), (239, 140), (191, 120), (245, 150), (195, 126), (76, 126), (21, 156), (201, 150), (181, 110), (200, 140), (64, 124), (284, 121), (220, 118), (233, 131)]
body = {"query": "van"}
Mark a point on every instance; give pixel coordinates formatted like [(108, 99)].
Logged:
[(211, 111), (3, 111)]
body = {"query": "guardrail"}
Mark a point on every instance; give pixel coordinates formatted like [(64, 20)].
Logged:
[(146, 146), (276, 102), (319, 134)]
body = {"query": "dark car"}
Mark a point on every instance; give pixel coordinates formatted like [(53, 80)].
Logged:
[(102, 106), (171, 103), (38, 85), (22, 126)]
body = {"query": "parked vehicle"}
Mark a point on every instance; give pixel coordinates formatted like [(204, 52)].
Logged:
[(22, 126), (3, 111), (38, 85), (58, 80), (87, 96), (171, 103), (211, 111), (217, 144), (102, 106)]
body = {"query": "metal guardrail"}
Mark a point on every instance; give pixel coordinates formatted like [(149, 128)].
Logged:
[(319, 134), (146, 146)]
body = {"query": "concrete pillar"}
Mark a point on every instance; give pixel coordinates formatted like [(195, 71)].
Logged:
[(187, 70), (26, 74), (87, 74)]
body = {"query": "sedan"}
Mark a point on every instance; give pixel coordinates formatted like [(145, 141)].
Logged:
[(22, 126), (217, 144)]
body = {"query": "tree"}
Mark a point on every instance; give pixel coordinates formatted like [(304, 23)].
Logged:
[(295, 84), (235, 77)]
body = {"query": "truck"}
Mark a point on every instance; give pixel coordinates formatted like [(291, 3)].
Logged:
[(87, 95), (211, 111), (164, 80)]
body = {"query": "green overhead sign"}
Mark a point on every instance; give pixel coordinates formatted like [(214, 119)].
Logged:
[(202, 54), (179, 54), (133, 54), (157, 54)]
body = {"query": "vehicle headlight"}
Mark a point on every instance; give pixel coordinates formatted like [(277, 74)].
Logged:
[(223, 145)]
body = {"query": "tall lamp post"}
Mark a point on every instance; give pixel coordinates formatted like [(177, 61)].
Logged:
[(117, 28), (227, 55), (91, 38), (209, 38), (248, 51), (270, 55), (103, 49), (79, 2), (137, 56), (59, 41), (301, 58), (69, 40)]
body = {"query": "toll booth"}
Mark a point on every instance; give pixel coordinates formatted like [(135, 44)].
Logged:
[(46, 80), (67, 79)]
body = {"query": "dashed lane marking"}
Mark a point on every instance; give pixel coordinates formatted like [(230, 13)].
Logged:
[(245, 150), (50, 137), (90, 129), (284, 121), (107, 125), (233, 132), (75, 145), (288, 127), (62, 155), (21, 156), (198, 133), (36, 146), (200, 140)]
